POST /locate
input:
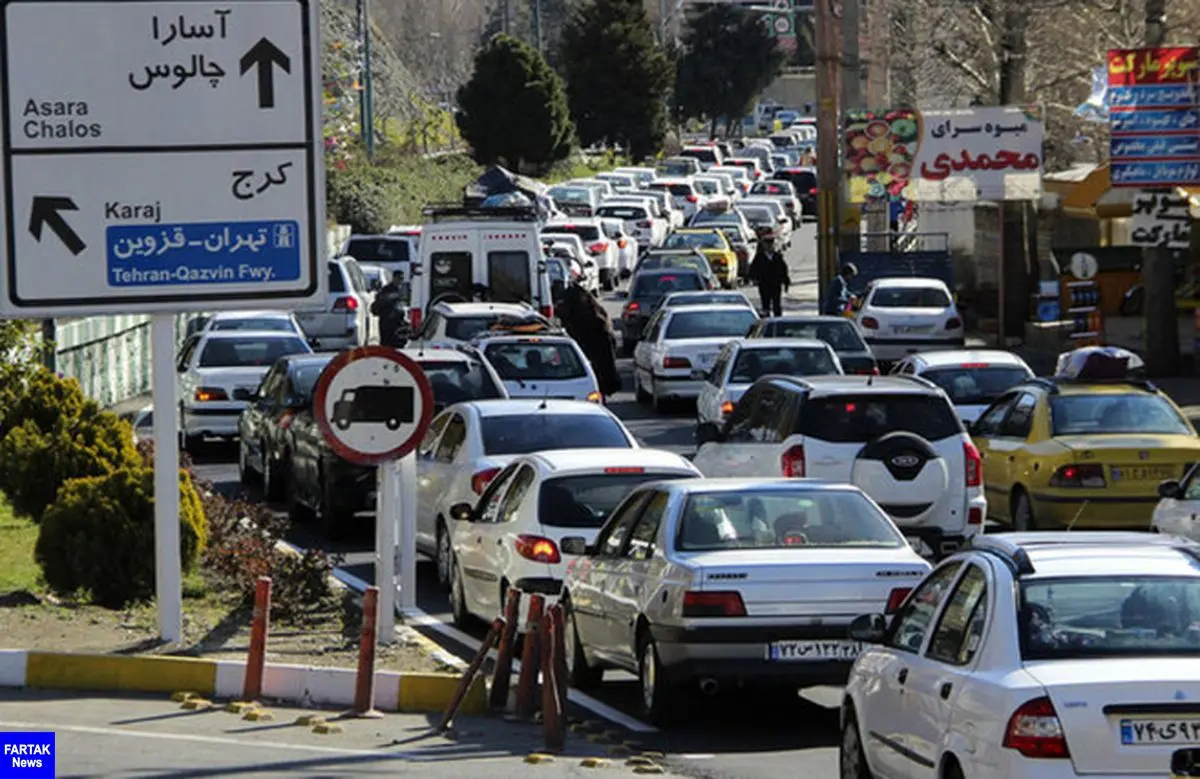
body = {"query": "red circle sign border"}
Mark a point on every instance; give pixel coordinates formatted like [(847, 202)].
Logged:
[(321, 392)]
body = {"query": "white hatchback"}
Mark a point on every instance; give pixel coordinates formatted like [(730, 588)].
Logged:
[(903, 316), (541, 366), (973, 378)]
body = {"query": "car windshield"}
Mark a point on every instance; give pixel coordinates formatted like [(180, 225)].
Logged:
[(249, 352), (586, 501), (548, 361), (663, 283), (706, 299), (787, 360), (710, 324), (845, 419), (842, 336), (774, 519), (910, 297), (976, 386), (571, 194), (1109, 616), (459, 381), (272, 324), (711, 240), (525, 433), (464, 328), (385, 249), (1140, 413)]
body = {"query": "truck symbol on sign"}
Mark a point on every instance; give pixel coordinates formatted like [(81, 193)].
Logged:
[(392, 406)]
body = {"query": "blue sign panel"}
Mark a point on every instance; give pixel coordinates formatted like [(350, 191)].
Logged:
[(1154, 174), (1152, 96), (1156, 146), (203, 253), (1154, 122)]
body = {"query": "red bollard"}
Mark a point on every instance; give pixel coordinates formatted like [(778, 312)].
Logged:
[(502, 676), (364, 682), (468, 676), (560, 655), (552, 718), (527, 681), (257, 658)]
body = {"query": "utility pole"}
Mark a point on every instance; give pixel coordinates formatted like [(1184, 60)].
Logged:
[(826, 14), (505, 28), (852, 98), (537, 25), (1160, 318), (366, 94), (877, 66), (1013, 216)]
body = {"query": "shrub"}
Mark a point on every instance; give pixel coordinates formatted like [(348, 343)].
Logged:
[(40, 397), (365, 197), (98, 536)]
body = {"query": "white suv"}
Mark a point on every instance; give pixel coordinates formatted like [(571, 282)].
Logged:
[(895, 437)]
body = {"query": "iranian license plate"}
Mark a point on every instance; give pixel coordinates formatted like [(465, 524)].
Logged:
[(1153, 732), (813, 651), (707, 359), (911, 328), (1153, 473)]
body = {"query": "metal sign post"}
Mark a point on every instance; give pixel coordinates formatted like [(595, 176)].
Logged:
[(374, 406)]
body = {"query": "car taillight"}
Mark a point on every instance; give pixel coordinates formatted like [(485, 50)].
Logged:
[(208, 394), (345, 304), (1090, 475), (953, 323), (693, 199), (479, 481), (632, 308), (973, 469), (676, 362), (538, 549), (600, 247), (1034, 730), (792, 462), (547, 311), (975, 516), (896, 599), (595, 397), (622, 243), (727, 407), (713, 604), (866, 372), (812, 191), (870, 322), (414, 318)]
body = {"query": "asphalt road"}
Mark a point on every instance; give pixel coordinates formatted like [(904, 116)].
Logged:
[(733, 736)]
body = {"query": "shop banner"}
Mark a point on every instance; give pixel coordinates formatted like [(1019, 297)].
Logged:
[(1161, 218), (990, 153), (1154, 117)]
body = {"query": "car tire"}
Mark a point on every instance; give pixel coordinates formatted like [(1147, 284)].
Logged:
[(458, 598), (192, 443), (659, 704), (1023, 520), (852, 759), (443, 555), (580, 674), (246, 475), (274, 482), (639, 392)]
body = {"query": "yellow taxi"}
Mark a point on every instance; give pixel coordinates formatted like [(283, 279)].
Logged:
[(1062, 453), (715, 247)]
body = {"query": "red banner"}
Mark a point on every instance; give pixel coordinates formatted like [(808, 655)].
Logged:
[(1168, 65)]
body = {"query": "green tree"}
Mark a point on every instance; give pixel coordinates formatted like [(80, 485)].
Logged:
[(617, 76), (729, 58), (513, 111)]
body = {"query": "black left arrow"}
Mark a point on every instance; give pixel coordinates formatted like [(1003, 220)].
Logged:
[(46, 211), (263, 55)]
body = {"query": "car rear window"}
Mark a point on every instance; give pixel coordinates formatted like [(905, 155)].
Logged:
[(662, 283), (464, 328), (586, 232), (710, 324), (368, 249), (622, 212), (694, 240), (706, 187), (910, 297), (758, 215), (860, 418), (525, 433), (249, 352), (708, 217), (706, 299), (786, 360), (775, 519), (336, 282), (1109, 616), (269, 324), (586, 501), (528, 361), (459, 381), (509, 277), (1106, 414), (842, 336), (681, 190), (769, 188), (976, 386), (572, 194), (707, 155)]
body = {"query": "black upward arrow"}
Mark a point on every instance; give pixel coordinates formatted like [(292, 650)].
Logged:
[(45, 211), (263, 55)]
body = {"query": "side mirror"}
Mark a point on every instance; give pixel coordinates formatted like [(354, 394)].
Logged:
[(574, 545), (181, 369), (698, 375), (868, 628), (707, 433), (1170, 490), (462, 512)]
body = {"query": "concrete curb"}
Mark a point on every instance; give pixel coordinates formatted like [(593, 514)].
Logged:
[(294, 684)]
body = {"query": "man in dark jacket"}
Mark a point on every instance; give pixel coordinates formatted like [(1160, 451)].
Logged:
[(770, 272), (391, 306), (590, 326), (839, 296)]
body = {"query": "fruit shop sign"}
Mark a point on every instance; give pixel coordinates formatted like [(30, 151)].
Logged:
[(988, 153)]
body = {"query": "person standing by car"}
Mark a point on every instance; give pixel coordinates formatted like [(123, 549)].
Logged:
[(770, 273), (391, 306), (590, 326), (838, 297)]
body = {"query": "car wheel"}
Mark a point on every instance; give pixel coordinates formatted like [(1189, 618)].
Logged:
[(443, 556), (273, 478), (246, 474), (458, 597), (658, 705), (580, 674), (1022, 513), (852, 762), (192, 443)]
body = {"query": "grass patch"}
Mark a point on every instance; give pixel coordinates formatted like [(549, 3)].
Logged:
[(18, 570)]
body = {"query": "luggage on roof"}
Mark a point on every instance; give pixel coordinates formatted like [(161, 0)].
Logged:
[(1098, 363)]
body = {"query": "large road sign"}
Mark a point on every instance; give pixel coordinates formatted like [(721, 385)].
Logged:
[(160, 156)]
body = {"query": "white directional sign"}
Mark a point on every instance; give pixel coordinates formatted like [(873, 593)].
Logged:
[(160, 156)]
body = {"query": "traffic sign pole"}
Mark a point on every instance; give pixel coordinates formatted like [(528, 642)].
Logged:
[(407, 485), (387, 505), (168, 573)]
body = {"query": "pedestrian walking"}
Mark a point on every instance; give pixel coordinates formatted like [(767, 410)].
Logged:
[(770, 272)]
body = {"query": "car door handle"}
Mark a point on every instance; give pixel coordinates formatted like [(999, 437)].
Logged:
[(499, 542), (902, 677), (945, 690)]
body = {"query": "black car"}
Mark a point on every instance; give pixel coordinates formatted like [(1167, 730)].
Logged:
[(333, 490), (264, 446), (804, 180), (840, 333), (647, 290)]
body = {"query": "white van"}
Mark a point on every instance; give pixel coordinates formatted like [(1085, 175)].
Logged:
[(492, 254)]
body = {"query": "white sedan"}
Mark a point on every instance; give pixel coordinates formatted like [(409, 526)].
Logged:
[(903, 316), (469, 443), (515, 530), (1178, 509), (541, 366), (972, 378), (678, 341)]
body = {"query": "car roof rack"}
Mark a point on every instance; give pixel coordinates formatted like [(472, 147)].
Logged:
[(1052, 384), (1013, 547), (446, 212)]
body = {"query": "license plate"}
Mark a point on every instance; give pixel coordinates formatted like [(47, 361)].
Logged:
[(1153, 473), (911, 328), (1153, 732), (707, 359), (813, 651)]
